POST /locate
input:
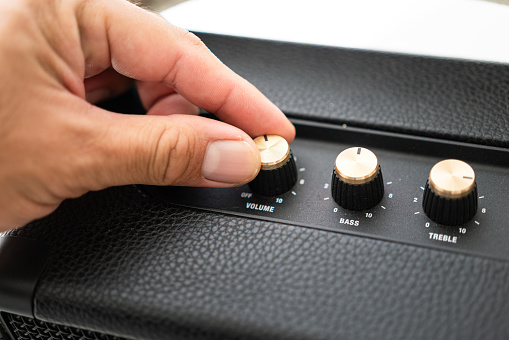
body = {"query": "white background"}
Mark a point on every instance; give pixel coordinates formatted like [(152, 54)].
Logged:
[(468, 29)]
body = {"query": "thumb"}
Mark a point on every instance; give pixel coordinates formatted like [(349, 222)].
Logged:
[(171, 150)]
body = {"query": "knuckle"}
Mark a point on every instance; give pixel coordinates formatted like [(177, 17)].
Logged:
[(172, 160), (189, 42), (187, 36), (191, 38)]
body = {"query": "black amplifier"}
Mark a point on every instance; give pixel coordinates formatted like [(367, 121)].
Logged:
[(386, 218)]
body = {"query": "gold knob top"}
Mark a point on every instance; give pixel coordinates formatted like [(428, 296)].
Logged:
[(452, 178), (356, 165), (274, 151)]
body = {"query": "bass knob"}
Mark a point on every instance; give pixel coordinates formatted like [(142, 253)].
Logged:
[(357, 182)]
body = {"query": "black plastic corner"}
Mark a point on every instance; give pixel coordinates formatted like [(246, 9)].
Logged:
[(21, 263)]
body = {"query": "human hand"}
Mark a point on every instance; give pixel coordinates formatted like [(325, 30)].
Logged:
[(58, 57)]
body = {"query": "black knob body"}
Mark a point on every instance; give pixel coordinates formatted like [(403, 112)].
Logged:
[(449, 211), (278, 173), (357, 181)]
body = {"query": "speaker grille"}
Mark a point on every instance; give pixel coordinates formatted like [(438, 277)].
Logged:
[(24, 328)]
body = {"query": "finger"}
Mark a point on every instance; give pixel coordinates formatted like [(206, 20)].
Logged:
[(173, 104), (160, 99), (150, 93), (105, 85), (145, 47), (167, 150)]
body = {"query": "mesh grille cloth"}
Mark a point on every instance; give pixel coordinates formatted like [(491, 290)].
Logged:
[(23, 328)]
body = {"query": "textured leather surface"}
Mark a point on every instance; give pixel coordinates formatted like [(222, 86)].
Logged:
[(129, 265), (460, 100)]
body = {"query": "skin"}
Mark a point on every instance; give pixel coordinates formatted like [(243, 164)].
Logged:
[(59, 57)]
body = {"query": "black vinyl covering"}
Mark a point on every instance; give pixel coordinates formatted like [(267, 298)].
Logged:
[(425, 96)]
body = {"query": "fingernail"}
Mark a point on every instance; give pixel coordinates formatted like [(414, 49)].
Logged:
[(234, 162)]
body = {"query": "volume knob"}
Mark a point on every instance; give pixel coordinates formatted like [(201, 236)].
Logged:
[(278, 172), (450, 195), (357, 182)]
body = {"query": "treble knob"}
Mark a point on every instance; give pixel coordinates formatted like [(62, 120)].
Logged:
[(450, 195), (357, 182), (278, 172)]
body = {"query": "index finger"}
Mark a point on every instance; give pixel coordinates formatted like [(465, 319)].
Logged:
[(144, 46)]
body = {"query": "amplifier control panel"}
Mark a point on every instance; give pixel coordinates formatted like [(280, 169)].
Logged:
[(414, 190)]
